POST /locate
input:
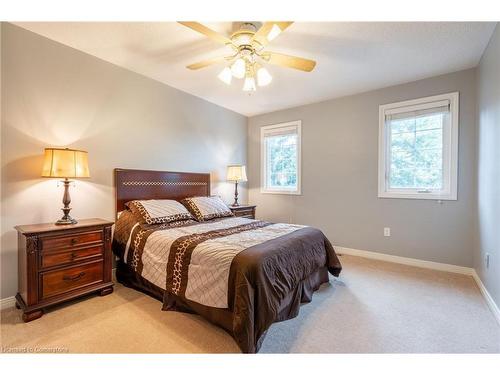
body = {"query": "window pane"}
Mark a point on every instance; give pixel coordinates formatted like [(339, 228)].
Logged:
[(402, 126), (416, 152), (434, 121), (281, 156), (428, 178)]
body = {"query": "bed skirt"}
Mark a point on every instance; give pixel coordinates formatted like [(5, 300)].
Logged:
[(289, 308)]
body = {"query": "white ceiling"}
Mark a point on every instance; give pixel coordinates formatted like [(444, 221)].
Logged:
[(351, 57)]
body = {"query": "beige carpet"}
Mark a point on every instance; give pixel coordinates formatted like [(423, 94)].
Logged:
[(375, 307)]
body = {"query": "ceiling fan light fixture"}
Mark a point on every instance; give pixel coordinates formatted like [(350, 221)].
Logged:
[(242, 39), (248, 50), (275, 31), (263, 77), (249, 84), (226, 75), (238, 68)]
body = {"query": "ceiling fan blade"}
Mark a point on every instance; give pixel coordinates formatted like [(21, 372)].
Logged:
[(198, 27), (291, 61), (205, 63), (266, 33)]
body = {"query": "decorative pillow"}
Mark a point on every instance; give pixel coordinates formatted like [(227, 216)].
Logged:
[(158, 211), (206, 208)]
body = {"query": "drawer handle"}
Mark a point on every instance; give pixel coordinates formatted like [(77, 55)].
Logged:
[(74, 278), (74, 241), (73, 256)]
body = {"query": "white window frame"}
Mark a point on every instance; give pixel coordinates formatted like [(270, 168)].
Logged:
[(450, 150), (269, 129)]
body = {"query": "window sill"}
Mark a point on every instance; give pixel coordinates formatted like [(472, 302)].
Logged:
[(282, 192), (426, 196)]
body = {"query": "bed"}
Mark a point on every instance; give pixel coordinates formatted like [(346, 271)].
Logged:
[(238, 273)]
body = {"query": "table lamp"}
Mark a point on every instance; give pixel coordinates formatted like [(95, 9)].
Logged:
[(236, 173), (65, 163)]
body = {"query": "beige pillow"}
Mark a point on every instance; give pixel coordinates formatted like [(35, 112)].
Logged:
[(206, 208)]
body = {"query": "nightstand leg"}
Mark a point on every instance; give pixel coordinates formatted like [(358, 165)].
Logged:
[(106, 291), (18, 306), (32, 315)]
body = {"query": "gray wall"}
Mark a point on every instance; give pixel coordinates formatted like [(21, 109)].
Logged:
[(339, 174), (53, 95), (488, 166)]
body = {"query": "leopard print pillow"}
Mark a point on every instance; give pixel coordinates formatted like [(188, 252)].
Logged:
[(207, 208), (159, 211)]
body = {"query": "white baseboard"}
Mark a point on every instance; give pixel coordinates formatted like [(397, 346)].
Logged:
[(403, 260), (5, 303), (487, 296), (427, 264)]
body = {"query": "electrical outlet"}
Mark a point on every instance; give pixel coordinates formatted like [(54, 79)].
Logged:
[(487, 260), (387, 232)]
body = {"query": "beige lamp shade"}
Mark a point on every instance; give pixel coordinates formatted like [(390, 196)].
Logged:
[(65, 163), (236, 173)]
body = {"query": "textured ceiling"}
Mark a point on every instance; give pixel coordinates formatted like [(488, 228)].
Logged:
[(351, 57)]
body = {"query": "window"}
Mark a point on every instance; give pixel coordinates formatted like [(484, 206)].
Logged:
[(280, 158), (418, 148)]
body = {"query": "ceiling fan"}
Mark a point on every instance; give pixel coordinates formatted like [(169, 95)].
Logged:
[(248, 44)]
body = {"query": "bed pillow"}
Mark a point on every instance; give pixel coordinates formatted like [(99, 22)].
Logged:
[(158, 211), (206, 208)]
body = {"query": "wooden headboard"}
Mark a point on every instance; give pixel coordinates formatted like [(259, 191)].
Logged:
[(133, 184)]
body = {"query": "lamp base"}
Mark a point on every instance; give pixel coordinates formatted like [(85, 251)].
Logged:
[(64, 221), (235, 204)]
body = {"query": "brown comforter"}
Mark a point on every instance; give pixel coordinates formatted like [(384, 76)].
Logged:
[(266, 282)]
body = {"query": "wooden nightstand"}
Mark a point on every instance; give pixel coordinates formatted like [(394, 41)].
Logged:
[(244, 211), (57, 263)]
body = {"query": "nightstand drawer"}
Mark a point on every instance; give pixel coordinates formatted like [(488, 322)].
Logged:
[(243, 212), (69, 256), (77, 239), (70, 278)]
